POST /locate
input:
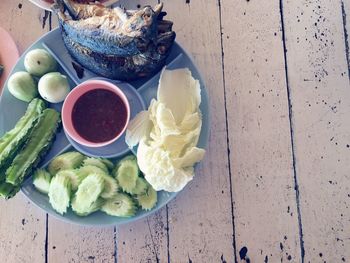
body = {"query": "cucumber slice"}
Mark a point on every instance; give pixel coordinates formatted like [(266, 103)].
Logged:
[(96, 162), (107, 163), (88, 192), (147, 200), (141, 186), (95, 206), (111, 187), (84, 171), (127, 173), (59, 193), (41, 180), (75, 180), (120, 205), (65, 161)]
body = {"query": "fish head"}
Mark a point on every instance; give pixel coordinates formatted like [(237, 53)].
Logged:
[(143, 21)]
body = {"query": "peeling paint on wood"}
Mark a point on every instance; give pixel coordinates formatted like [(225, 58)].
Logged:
[(22, 231), (274, 183), (259, 132), (72, 243), (320, 107)]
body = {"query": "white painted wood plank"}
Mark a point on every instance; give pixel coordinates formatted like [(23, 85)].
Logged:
[(22, 231), (200, 219), (144, 240), (72, 243), (320, 97), (25, 22), (22, 225), (266, 218)]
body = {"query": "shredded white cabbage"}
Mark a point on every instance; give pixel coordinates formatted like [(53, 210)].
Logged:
[(169, 131)]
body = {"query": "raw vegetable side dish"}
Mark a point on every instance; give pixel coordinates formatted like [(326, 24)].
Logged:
[(90, 184), (130, 45)]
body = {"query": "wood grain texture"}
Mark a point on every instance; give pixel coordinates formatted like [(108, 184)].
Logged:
[(22, 225), (320, 99), (200, 218), (72, 243), (345, 9), (25, 22), (22, 231), (266, 217), (144, 240)]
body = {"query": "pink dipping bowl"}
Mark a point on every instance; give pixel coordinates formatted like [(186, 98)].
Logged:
[(70, 101)]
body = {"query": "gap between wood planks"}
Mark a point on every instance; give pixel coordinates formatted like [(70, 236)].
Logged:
[(227, 136), (290, 115), (346, 41)]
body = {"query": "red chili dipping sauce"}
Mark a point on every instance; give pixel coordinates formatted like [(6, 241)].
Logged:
[(99, 115)]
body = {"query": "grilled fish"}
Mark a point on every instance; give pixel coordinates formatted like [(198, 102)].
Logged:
[(113, 42)]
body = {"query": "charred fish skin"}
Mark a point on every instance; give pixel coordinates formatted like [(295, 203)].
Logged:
[(115, 43), (117, 67), (109, 31)]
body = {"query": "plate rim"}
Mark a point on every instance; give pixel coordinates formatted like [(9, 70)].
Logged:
[(172, 195)]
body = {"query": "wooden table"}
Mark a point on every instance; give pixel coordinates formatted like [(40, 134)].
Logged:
[(275, 183)]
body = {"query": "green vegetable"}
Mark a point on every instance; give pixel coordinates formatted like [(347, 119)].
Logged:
[(96, 162), (120, 205), (59, 193), (15, 138), (68, 160), (88, 192), (7, 190), (22, 86), (148, 199), (53, 87), (95, 206), (37, 145), (107, 163), (111, 186), (73, 177), (141, 186), (41, 180), (126, 173), (38, 62), (84, 171)]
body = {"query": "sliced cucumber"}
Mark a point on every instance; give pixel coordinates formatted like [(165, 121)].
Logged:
[(95, 206), (41, 180), (84, 171), (88, 192), (73, 177), (68, 160), (108, 163), (120, 205), (59, 193), (96, 162), (147, 200), (111, 186), (141, 186), (127, 173)]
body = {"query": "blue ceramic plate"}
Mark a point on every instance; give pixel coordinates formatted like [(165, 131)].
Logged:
[(12, 109)]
